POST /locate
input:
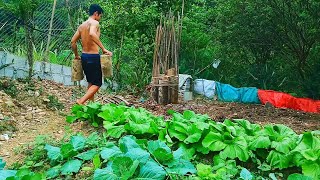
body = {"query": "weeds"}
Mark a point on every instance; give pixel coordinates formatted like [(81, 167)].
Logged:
[(54, 103), (9, 87)]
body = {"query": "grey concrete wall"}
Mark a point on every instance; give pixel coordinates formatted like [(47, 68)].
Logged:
[(18, 68)]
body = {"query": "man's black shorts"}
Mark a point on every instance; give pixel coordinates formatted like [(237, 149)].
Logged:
[(91, 66)]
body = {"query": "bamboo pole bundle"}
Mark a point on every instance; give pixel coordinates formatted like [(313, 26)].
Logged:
[(165, 60)]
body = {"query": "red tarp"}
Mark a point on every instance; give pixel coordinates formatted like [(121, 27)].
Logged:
[(283, 100)]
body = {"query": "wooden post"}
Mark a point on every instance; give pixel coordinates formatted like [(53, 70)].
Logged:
[(174, 89), (155, 89), (163, 90)]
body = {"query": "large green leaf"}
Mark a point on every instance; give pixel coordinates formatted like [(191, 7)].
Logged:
[(259, 142), (311, 169), (311, 154), (162, 155), (2, 164), (249, 129), (4, 174), (160, 151), (181, 167), (178, 130), (67, 151), (53, 172), (278, 159), (298, 177), (154, 145), (138, 128), (113, 130), (200, 148), (110, 152), (245, 174), (138, 154), (88, 155), (124, 167), (238, 149), (202, 125), (96, 161), (188, 114), (128, 142), (152, 171), (283, 139), (93, 140), (53, 152), (78, 142), (71, 119), (184, 152), (285, 145), (194, 134), (72, 166), (104, 174), (214, 142)]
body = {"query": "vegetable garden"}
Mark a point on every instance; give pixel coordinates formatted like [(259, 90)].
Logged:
[(140, 145)]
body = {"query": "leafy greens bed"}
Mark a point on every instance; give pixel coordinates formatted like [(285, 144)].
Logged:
[(131, 159), (270, 148), (140, 145)]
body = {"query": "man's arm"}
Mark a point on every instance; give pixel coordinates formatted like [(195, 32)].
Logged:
[(74, 40), (93, 34)]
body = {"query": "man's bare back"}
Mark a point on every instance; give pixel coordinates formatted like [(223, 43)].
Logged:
[(85, 29), (89, 33)]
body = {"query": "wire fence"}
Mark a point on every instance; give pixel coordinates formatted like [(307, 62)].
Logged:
[(51, 41)]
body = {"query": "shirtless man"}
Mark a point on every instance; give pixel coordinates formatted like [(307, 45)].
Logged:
[(89, 33)]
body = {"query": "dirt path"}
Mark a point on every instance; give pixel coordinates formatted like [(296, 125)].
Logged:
[(32, 117)]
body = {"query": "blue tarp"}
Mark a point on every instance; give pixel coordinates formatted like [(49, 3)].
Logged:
[(228, 93)]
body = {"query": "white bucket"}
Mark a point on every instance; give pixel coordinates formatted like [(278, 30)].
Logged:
[(187, 96)]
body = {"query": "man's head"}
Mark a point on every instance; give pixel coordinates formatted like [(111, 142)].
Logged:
[(95, 11)]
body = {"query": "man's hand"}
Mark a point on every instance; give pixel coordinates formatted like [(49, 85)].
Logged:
[(77, 57), (109, 53)]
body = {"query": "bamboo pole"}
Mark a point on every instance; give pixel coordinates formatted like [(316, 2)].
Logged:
[(50, 30)]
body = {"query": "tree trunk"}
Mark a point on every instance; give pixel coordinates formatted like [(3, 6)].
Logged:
[(29, 34)]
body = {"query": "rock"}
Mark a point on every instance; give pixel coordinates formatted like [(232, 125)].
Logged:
[(37, 94), (9, 103), (28, 116), (269, 105), (4, 137), (42, 113), (7, 154), (37, 110), (31, 93), (1, 116), (46, 100)]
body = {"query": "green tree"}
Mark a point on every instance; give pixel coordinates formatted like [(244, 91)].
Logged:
[(263, 42), (25, 11)]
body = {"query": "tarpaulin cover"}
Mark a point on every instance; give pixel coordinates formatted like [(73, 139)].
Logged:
[(284, 100), (228, 93), (205, 87)]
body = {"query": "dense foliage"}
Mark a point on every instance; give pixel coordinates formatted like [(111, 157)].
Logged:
[(271, 44)]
